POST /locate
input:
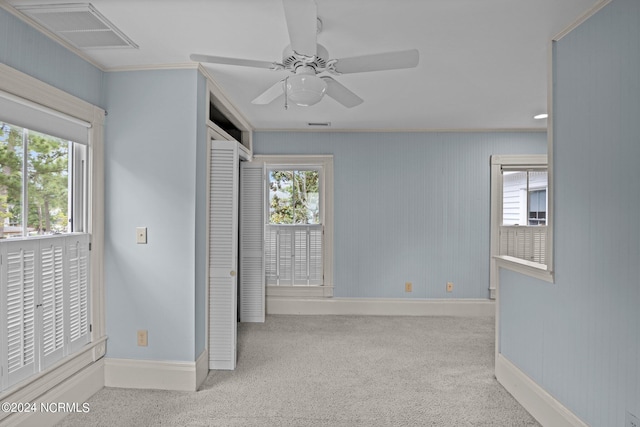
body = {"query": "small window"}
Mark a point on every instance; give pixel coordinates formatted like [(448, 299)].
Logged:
[(520, 216), (538, 207), (294, 196), (524, 197), (298, 224), (41, 183)]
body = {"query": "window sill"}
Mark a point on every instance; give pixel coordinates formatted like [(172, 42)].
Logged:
[(522, 266), (299, 291), (43, 237)]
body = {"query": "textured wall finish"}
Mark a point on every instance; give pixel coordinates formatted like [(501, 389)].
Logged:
[(580, 337), (409, 207), (27, 50), (150, 181)]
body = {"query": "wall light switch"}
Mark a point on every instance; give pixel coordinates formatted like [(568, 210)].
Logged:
[(449, 286), (141, 235)]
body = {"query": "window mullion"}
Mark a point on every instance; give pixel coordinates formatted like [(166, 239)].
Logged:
[(25, 181)]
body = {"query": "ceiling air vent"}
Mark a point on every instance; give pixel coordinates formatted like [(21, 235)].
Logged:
[(78, 23)]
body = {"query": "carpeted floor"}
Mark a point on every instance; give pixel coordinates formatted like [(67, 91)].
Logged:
[(335, 371)]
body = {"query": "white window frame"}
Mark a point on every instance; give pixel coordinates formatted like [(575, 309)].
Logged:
[(537, 270), (302, 162), (48, 97), (76, 187)]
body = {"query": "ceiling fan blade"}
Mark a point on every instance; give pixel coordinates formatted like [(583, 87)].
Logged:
[(378, 62), (271, 94), (340, 93), (302, 23), (233, 61)]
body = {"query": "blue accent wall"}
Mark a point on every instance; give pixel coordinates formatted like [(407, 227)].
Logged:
[(150, 180), (26, 49), (201, 175), (580, 337), (409, 207)]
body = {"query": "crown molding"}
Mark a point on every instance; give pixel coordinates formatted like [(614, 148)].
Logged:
[(581, 19), (426, 130)]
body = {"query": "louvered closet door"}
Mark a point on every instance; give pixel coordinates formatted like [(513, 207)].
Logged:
[(78, 292), (252, 271), (223, 253), (20, 266), (52, 272)]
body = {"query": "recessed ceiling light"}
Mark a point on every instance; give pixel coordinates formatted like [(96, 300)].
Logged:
[(541, 116)]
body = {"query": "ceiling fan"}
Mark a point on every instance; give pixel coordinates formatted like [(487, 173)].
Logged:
[(306, 59)]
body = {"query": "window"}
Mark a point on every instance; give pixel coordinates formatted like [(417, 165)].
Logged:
[(298, 225), (293, 240), (41, 182), (524, 196), (538, 207), (50, 283), (294, 196), (520, 215)]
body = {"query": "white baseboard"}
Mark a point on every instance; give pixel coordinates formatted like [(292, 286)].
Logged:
[(540, 404), (154, 374), (381, 306), (72, 393), (202, 368)]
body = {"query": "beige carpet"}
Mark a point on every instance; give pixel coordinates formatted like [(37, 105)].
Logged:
[(335, 371)]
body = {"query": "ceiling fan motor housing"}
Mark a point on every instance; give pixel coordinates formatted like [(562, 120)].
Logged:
[(291, 60)]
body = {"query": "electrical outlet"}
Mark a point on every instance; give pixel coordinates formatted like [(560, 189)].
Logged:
[(449, 286), (141, 235), (632, 420), (142, 338), (408, 287)]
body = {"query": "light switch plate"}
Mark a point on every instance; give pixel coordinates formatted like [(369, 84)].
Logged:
[(141, 235)]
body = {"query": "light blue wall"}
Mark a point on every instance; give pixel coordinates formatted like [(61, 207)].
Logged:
[(150, 181), (409, 207), (154, 177), (29, 51), (201, 175), (580, 337)]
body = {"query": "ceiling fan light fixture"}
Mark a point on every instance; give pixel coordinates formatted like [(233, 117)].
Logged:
[(305, 90)]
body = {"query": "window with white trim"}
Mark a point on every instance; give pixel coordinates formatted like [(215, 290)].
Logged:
[(45, 294), (294, 229), (298, 222), (520, 215), (42, 182)]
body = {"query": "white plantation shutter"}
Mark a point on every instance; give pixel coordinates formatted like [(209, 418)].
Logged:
[(223, 248), (252, 268), (284, 254), (293, 255), (270, 255), (526, 242), (300, 259), (78, 291), (44, 303), (52, 273), (316, 266), (19, 334)]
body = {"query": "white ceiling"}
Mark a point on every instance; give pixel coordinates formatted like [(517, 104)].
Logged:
[(483, 63)]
